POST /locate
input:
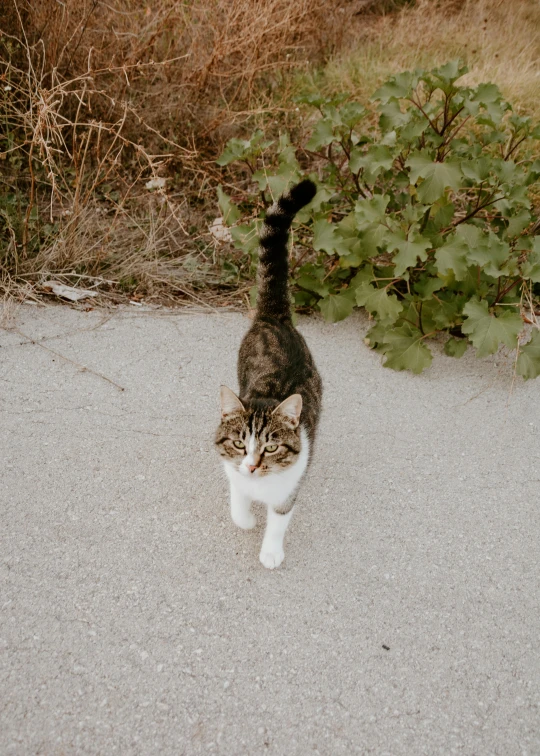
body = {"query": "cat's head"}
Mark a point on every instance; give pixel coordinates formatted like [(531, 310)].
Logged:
[(259, 440)]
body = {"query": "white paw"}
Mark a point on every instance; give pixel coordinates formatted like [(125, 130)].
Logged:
[(244, 520), (271, 559)]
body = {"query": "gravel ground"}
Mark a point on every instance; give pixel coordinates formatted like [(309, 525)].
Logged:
[(136, 619)]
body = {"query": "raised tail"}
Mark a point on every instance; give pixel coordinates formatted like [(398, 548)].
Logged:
[(273, 272)]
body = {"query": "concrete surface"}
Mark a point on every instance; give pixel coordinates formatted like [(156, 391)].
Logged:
[(136, 619)]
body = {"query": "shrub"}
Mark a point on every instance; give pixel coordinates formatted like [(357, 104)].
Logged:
[(424, 218)]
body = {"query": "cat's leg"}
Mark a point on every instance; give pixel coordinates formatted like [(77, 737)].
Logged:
[(272, 554), (240, 509)]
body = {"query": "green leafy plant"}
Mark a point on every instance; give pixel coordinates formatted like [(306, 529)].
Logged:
[(424, 216)]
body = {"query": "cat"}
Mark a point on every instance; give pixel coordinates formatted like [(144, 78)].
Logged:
[(266, 434)]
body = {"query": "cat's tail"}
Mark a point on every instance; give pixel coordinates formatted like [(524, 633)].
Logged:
[(273, 272)]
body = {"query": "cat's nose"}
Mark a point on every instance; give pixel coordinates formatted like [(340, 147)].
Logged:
[(252, 468)]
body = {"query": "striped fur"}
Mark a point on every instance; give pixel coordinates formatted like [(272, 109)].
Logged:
[(273, 272), (266, 434)]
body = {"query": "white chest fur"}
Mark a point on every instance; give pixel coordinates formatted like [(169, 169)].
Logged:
[(273, 490)]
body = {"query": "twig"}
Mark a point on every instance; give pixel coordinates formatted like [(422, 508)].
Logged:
[(477, 210), (67, 359), (421, 109)]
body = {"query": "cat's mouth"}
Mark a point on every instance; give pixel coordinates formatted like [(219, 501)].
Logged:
[(253, 471), (250, 471)]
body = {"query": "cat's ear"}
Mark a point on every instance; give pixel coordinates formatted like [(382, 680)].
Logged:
[(230, 403), (290, 410)]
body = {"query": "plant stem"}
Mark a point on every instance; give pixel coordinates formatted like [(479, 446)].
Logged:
[(504, 292)]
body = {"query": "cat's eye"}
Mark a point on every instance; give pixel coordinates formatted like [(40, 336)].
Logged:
[(239, 444), (271, 448)]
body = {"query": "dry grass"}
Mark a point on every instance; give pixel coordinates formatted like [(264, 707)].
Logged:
[(101, 97), (498, 39), (185, 68)]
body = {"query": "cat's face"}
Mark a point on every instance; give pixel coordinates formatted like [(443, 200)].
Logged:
[(262, 441)]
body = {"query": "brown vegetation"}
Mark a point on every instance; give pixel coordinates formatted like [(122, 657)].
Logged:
[(100, 97)]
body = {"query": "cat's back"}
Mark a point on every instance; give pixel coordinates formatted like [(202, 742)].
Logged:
[(274, 362)]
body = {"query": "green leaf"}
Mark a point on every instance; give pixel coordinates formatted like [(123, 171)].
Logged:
[(409, 250), (351, 113), (287, 173), (486, 331), (364, 276), (490, 97), (323, 134), (371, 211), (392, 117), (234, 150), (438, 314), (347, 226), (420, 164), (386, 307), (443, 216), (242, 149), (313, 284), (505, 170), (332, 114), (229, 211), (415, 128), (304, 298), (322, 197), (352, 252), (336, 307), (426, 286), (437, 176), (371, 238), (477, 170), (287, 151), (261, 177), (375, 160), (448, 312), (356, 246), (531, 267), (486, 93), (374, 338), (277, 185), (397, 86), (316, 99), (470, 234), (528, 362), (455, 347), (518, 223), (447, 74), (453, 255), (324, 236), (245, 237), (407, 350), (282, 180), (348, 244), (490, 253)]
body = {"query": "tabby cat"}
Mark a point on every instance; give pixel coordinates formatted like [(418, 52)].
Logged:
[(266, 434)]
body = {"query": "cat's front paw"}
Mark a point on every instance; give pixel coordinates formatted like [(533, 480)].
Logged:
[(244, 520), (272, 559)]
